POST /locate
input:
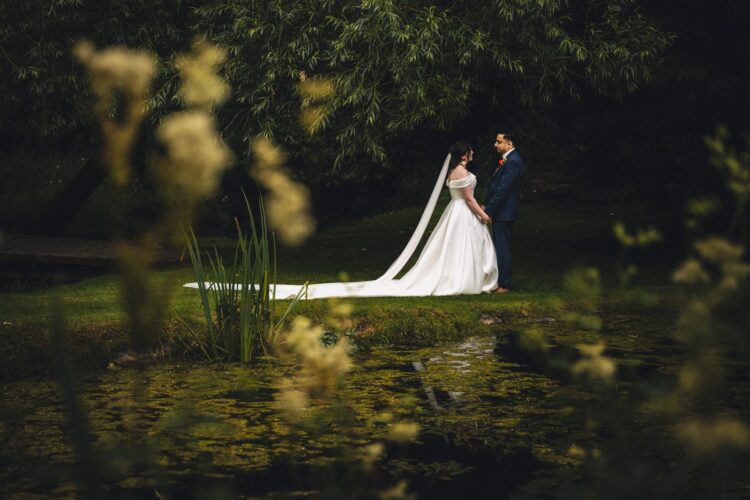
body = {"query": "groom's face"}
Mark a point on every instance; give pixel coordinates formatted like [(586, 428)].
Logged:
[(502, 145)]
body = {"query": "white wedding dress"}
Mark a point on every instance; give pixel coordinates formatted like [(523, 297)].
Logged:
[(458, 258)]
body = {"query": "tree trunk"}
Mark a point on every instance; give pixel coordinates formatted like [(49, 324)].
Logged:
[(64, 207)]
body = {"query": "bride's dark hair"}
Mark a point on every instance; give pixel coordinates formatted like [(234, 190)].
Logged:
[(458, 149)]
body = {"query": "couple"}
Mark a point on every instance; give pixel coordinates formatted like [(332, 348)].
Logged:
[(501, 208), (459, 257)]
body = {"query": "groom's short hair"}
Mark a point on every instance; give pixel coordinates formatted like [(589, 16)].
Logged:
[(509, 136)]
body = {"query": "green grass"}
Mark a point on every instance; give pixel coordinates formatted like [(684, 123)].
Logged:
[(550, 239)]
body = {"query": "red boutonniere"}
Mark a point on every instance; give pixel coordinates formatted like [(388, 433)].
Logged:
[(500, 162)]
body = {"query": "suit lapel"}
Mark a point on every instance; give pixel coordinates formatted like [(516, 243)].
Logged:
[(505, 161)]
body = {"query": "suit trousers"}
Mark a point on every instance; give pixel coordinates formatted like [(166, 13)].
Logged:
[(502, 236)]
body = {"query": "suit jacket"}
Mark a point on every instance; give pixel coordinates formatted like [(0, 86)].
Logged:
[(502, 193)]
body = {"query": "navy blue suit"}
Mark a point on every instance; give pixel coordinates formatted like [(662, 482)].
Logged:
[(502, 204)]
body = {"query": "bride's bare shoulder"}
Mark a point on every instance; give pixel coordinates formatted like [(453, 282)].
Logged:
[(458, 172)]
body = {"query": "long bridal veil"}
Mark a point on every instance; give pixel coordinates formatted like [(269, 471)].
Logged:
[(413, 243), (385, 285)]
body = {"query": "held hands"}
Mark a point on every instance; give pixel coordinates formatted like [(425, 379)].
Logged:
[(486, 219)]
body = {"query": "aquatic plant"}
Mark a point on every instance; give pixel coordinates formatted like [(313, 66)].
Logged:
[(239, 303)]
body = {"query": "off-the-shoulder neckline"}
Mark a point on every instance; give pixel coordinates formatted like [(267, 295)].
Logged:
[(461, 178)]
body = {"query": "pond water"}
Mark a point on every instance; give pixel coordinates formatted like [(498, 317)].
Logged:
[(486, 425), (490, 427)]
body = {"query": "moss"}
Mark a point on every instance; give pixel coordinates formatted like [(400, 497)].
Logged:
[(412, 322), (417, 326), (28, 352)]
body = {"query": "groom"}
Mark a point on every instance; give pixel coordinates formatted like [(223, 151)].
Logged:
[(502, 204)]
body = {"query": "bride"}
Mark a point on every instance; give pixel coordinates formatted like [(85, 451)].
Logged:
[(458, 258)]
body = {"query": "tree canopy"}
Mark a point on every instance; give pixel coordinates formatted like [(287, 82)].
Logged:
[(394, 66)]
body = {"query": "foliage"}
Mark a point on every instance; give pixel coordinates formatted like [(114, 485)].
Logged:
[(711, 439), (657, 133), (735, 168), (399, 66), (38, 75), (394, 67), (120, 79), (239, 302)]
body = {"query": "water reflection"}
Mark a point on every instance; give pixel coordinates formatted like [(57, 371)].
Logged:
[(182, 423)]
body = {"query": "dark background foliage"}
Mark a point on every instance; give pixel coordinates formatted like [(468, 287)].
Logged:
[(613, 98)]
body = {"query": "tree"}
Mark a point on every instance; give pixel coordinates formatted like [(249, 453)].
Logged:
[(395, 67), (401, 66), (44, 91)]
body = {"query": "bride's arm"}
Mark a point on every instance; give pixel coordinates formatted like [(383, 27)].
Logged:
[(468, 193)]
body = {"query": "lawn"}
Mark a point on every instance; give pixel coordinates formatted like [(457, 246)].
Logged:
[(550, 239)]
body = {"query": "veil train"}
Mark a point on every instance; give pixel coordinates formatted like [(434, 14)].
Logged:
[(385, 285)]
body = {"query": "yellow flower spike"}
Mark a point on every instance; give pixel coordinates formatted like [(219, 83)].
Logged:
[(196, 156), (268, 155), (201, 85), (288, 202), (398, 492), (718, 250), (112, 71), (372, 453), (339, 314), (384, 417), (740, 270), (404, 432), (117, 68), (594, 367), (322, 367), (292, 402), (702, 207), (316, 88), (592, 350), (691, 273), (621, 234), (706, 438), (577, 451), (314, 118)]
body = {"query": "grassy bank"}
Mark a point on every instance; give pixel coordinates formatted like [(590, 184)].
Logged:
[(550, 239)]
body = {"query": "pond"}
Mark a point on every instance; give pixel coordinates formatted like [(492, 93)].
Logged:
[(491, 426), (171, 426)]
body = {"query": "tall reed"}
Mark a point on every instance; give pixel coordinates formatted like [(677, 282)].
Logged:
[(239, 303)]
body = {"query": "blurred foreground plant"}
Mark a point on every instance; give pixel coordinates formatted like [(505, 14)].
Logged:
[(310, 402), (121, 79), (735, 168), (288, 201), (624, 450), (189, 169)]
